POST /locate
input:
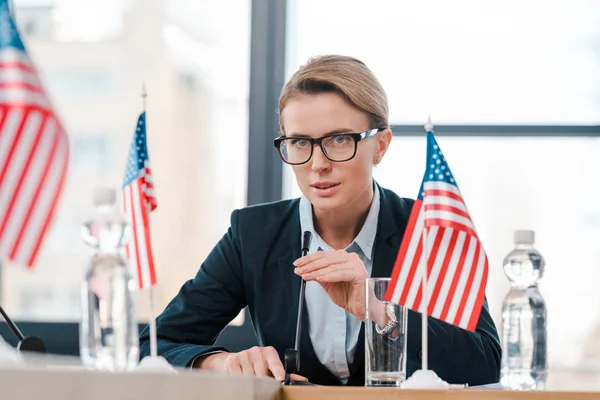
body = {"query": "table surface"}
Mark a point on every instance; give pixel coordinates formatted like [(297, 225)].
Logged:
[(356, 393), (77, 384)]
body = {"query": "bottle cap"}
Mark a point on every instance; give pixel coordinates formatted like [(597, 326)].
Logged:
[(105, 197), (524, 236)]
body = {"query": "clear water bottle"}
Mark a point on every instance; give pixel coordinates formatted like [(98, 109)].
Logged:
[(108, 334), (524, 361)]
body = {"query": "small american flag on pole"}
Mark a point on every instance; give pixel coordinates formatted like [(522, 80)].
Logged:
[(34, 150), (457, 266), (137, 201)]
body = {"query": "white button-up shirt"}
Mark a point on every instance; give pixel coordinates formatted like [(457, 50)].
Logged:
[(333, 331)]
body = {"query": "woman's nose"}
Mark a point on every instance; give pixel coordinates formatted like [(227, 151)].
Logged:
[(318, 161)]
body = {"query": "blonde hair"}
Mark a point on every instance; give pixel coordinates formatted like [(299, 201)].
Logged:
[(348, 77)]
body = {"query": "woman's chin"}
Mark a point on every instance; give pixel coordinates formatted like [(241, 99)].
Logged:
[(326, 203)]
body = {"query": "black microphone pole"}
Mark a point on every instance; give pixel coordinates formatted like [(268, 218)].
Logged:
[(292, 356), (26, 343)]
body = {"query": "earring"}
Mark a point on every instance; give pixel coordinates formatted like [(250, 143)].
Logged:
[(377, 160)]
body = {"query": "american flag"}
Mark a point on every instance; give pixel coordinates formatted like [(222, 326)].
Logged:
[(457, 266), (138, 199), (34, 150)]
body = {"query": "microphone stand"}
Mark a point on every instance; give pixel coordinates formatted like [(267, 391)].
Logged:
[(26, 343), (292, 356)]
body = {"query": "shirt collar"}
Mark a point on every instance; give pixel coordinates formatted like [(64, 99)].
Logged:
[(365, 238)]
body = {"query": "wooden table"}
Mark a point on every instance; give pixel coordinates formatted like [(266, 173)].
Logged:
[(78, 384), (359, 393)]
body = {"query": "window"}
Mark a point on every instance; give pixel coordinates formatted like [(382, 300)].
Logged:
[(199, 176), (534, 63), (511, 183), (465, 61)]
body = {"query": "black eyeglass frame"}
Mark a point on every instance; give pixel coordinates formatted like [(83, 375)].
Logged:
[(357, 137)]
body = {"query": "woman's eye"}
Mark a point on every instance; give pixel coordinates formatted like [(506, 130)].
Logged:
[(299, 142)]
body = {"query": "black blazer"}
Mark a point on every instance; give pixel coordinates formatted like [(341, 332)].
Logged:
[(252, 266)]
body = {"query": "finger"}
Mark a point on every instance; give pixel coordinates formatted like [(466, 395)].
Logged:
[(309, 258), (338, 257), (244, 358), (274, 363), (258, 361), (233, 366), (314, 266), (333, 268), (296, 377), (335, 274), (315, 256)]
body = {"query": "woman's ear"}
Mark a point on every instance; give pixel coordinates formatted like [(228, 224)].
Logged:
[(384, 138)]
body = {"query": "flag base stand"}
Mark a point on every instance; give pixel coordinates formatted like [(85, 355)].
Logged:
[(424, 379), (8, 355), (155, 364)]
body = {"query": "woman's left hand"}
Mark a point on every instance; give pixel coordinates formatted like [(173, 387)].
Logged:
[(341, 274)]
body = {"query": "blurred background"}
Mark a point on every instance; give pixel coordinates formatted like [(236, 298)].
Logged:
[(513, 88)]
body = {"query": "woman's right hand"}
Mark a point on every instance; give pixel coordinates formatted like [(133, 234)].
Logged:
[(259, 361)]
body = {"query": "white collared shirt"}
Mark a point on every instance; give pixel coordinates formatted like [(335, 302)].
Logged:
[(334, 332)]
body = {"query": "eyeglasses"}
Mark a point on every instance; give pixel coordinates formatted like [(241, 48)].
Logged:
[(337, 147)]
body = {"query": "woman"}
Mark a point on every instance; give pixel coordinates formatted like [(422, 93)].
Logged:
[(334, 122)]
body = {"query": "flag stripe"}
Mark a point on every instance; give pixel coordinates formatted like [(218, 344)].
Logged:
[(443, 259), (417, 285), (44, 170), (443, 200), (44, 208), (15, 169), (444, 186), (36, 129), (457, 275), (139, 209), (20, 76), (2, 118), (449, 266), (476, 310), (418, 288), (446, 208), (130, 249), (21, 197), (450, 225), (144, 210), (468, 284), (459, 290), (410, 292), (406, 252), (20, 85), (135, 243), (438, 255), (54, 196), (442, 193), (13, 131), (438, 215), (474, 281), (24, 98)]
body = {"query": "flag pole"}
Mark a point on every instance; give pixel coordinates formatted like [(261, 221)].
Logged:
[(424, 320), (153, 345), (424, 378), (153, 362), (424, 325)]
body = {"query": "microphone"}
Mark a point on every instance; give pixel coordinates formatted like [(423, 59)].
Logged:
[(26, 343), (292, 356)]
